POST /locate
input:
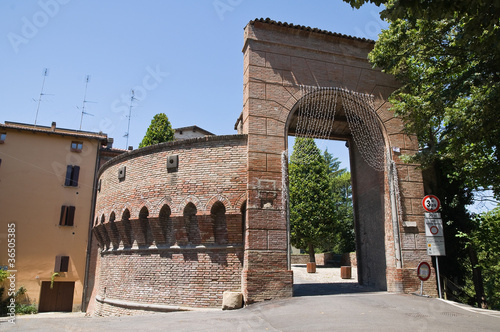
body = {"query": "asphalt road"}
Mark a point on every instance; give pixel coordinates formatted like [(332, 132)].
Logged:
[(344, 306), (367, 311)]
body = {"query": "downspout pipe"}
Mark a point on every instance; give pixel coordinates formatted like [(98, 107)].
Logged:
[(391, 165), (89, 236), (286, 205)]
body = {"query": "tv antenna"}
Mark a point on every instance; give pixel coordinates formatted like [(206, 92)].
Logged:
[(87, 79), (132, 98), (45, 74)]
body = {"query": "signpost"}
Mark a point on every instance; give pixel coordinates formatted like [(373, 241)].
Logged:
[(423, 273), (433, 232)]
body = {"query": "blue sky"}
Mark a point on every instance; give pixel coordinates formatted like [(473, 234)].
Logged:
[(182, 58)]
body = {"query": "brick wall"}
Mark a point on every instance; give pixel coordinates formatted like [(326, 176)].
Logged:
[(172, 236), (321, 259), (190, 277)]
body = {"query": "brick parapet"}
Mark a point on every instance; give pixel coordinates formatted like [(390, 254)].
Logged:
[(197, 142), (210, 168), (172, 236)]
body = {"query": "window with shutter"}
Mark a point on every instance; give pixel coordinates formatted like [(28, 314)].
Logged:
[(75, 175), (62, 264), (72, 174), (71, 216), (67, 216)]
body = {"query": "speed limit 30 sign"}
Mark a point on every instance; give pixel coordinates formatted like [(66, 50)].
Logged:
[(431, 203)]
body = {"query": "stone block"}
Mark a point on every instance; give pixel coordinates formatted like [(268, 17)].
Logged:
[(232, 300)]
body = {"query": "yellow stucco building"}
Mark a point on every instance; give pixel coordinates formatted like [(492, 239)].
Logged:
[(47, 176)]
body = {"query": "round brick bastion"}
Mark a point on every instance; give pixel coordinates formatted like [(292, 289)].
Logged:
[(169, 222)]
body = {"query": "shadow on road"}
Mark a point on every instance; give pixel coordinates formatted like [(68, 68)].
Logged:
[(314, 289)]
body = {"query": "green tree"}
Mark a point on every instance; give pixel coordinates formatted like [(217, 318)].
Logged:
[(485, 241), (446, 56), (341, 195), (160, 130), (312, 218)]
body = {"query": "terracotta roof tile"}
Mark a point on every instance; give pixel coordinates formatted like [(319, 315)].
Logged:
[(54, 131), (302, 27)]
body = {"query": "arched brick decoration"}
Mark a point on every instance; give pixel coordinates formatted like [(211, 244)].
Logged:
[(140, 228), (166, 200), (193, 199), (122, 210), (191, 224), (97, 234), (162, 227), (125, 229), (101, 228), (168, 225), (218, 198), (112, 231), (146, 229), (218, 216), (242, 199), (146, 203)]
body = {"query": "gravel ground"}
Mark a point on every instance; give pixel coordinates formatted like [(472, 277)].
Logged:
[(322, 275), (326, 281)]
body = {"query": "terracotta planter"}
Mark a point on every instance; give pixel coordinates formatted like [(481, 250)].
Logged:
[(311, 267), (345, 272)]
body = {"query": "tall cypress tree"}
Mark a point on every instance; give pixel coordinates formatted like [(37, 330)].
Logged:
[(312, 212), (159, 131)]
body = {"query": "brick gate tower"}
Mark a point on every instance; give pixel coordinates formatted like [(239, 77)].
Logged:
[(389, 222)]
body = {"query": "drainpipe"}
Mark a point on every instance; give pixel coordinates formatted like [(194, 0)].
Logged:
[(286, 205), (89, 240), (394, 208)]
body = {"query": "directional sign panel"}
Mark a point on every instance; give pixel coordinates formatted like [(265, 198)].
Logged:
[(433, 227), (435, 246)]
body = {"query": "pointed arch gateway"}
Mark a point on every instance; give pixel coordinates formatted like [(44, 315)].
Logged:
[(281, 59)]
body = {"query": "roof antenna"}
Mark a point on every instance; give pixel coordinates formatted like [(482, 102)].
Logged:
[(87, 79), (45, 74), (132, 98)]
